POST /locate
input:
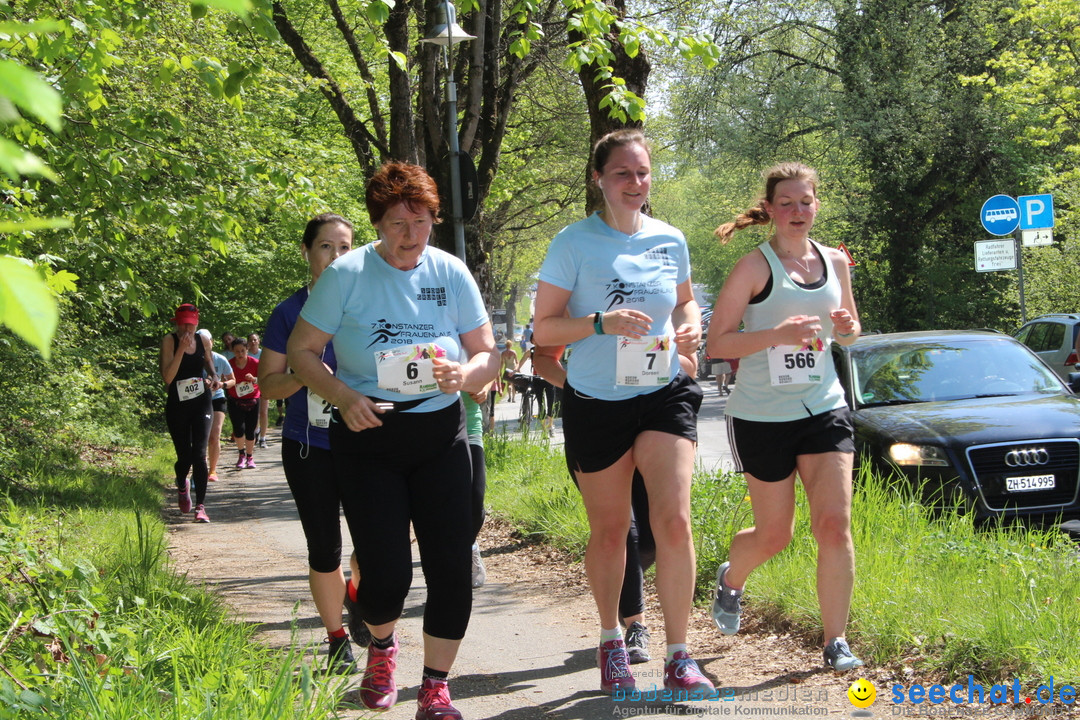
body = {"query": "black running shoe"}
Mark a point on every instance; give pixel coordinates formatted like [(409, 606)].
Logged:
[(340, 660), (357, 628)]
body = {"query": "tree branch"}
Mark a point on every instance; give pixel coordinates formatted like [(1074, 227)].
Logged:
[(355, 130)]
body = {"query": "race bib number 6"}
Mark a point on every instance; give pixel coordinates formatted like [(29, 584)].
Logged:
[(643, 361), (407, 369), (795, 365)]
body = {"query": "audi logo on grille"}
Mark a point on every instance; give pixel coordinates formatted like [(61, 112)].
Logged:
[(1027, 457)]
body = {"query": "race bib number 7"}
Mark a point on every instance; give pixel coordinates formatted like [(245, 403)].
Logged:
[(643, 361), (795, 365), (407, 369)]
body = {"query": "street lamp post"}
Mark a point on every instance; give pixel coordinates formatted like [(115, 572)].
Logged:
[(446, 33)]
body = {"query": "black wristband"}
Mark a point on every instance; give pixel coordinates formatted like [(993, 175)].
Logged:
[(598, 322)]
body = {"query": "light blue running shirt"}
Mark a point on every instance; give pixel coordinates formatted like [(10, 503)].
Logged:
[(607, 270), (368, 306), (222, 368)]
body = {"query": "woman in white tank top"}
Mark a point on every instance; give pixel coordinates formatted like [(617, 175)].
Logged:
[(787, 414)]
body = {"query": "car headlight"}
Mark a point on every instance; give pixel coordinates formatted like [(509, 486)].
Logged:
[(929, 455)]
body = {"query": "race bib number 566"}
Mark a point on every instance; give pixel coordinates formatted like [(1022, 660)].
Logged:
[(795, 365)]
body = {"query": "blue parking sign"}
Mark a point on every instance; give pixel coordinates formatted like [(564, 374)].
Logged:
[(1000, 215), (1036, 211)]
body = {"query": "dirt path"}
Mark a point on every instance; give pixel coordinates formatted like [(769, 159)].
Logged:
[(530, 649)]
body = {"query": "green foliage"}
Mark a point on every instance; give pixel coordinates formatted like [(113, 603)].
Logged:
[(26, 305), (126, 636), (98, 625), (1035, 82), (158, 189), (901, 63), (528, 484), (1017, 589)]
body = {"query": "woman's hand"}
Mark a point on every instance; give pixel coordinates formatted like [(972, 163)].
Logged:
[(631, 323), (843, 322), (688, 338), (449, 375), (187, 341), (799, 329), (359, 412)]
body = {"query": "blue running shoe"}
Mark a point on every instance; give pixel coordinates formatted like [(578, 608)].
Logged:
[(839, 657), (727, 605)]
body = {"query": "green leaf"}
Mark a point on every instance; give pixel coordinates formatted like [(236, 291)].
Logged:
[(26, 304), (29, 224), (26, 28), (234, 83), (239, 7), (35, 96), (16, 161), (378, 12), (62, 281)]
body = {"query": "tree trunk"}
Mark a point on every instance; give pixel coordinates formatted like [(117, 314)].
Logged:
[(635, 71)]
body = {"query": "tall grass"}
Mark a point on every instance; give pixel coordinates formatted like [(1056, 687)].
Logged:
[(96, 624), (530, 486), (933, 592)]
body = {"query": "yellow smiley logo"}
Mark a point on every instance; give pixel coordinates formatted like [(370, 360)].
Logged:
[(862, 693)]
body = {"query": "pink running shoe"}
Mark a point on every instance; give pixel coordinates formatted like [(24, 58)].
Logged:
[(241, 462), (184, 499), (682, 673), (200, 514), (614, 666), (377, 689), (250, 462), (434, 701)]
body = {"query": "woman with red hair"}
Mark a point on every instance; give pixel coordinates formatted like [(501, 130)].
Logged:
[(410, 333)]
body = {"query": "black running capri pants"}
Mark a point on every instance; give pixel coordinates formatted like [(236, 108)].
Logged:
[(309, 470), (414, 468)]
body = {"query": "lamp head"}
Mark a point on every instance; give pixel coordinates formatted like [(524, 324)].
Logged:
[(447, 31)]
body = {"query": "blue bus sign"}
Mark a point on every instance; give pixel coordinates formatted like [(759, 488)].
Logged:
[(1000, 215), (1036, 212)]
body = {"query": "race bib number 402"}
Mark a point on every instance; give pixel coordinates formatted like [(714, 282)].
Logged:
[(190, 388), (795, 365), (407, 369), (643, 361)]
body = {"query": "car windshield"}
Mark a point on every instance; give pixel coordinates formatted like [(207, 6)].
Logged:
[(930, 371)]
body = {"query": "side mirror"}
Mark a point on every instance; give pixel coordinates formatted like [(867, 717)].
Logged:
[(1074, 382)]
